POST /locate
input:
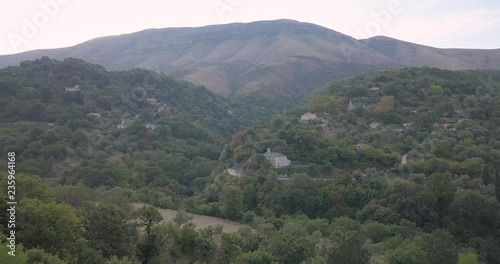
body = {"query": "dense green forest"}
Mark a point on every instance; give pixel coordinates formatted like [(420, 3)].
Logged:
[(395, 167)]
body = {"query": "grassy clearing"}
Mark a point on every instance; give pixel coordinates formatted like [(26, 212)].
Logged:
[(201, 221)]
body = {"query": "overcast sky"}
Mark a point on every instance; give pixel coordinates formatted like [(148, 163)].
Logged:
[(37, 24)]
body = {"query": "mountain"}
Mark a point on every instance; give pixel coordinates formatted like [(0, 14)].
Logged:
[(275, 58), (415, 55)]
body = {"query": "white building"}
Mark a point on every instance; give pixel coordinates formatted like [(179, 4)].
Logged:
[(375, 125), (361, 146), (152, 101), (407, 124), (124, 123), (351, 105), (94, 114), (404, 159), (308, 116), (277, 160), (72, 89), (150, 126), (233, 173)]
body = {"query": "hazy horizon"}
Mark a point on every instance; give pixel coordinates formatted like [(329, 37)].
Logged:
[(47, 24)]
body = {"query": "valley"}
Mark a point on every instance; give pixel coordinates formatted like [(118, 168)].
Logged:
[(289, 154)]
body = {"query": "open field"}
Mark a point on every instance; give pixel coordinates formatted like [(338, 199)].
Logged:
[(201, 221)]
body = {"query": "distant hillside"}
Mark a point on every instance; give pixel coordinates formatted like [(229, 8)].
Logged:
[(415, 55), (416, 148), (273, 58), (73, 117), (373, 120)]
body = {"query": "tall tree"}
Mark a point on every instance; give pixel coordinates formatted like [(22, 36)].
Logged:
[(232, 202), (107, 229), (149, 217)]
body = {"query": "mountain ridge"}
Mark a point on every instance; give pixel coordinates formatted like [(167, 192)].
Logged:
[(275, 58)]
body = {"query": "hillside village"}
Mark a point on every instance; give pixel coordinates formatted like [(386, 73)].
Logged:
[(374, 124), (408, 169)]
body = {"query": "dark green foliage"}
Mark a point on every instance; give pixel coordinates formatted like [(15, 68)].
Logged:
[(440, 248), (300, 195), (106, 229), (407, 253), (149, 217), (9, 85), (291, 249), (347, 248), (248, 217), (38, 256), (255, 257), (53, 227), (440, 185), (473, 214), (232, 205)]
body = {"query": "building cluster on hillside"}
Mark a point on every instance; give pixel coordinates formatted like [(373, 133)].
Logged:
[(150, 126), (352, 105), (448, 126), (152, 101), (161, 106), (124, 123)]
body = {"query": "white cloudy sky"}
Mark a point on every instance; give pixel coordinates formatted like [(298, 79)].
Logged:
[(27, 24)]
